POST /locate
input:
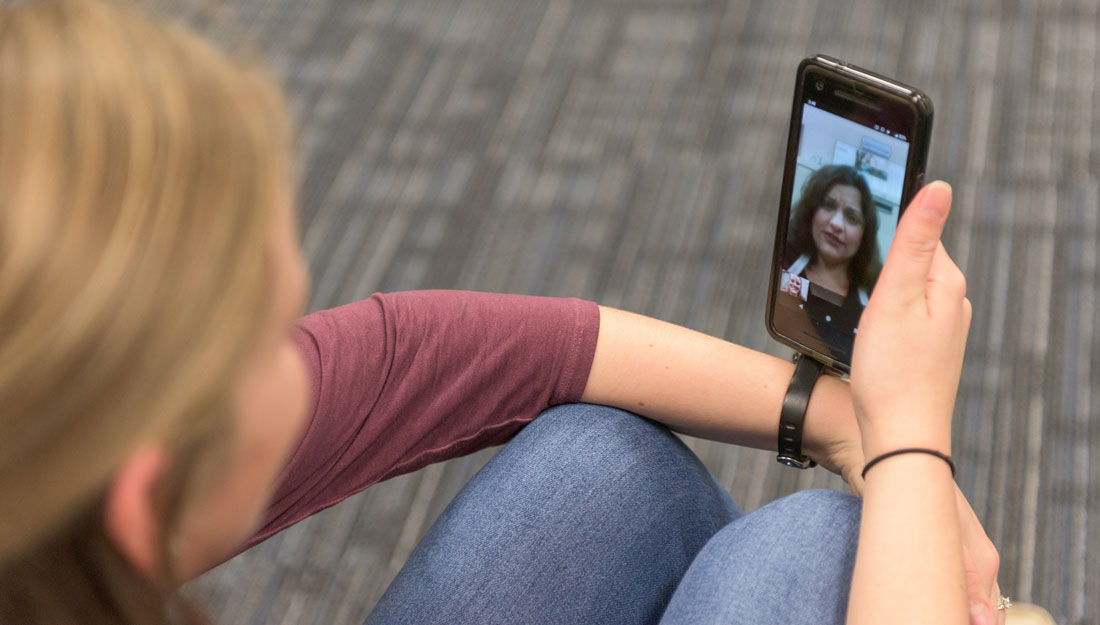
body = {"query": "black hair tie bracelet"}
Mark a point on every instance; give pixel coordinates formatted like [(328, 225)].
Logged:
[(910, 450)]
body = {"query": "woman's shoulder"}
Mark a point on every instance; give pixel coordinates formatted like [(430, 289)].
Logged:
[(794, 260)]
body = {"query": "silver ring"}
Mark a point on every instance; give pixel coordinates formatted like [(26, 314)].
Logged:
[(1004, 603)]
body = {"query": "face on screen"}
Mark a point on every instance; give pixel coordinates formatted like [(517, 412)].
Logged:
[(845, 201)]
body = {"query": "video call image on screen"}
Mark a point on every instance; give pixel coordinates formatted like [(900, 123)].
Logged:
[(847, 193)]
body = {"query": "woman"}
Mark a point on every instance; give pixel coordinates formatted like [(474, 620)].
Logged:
[(832, 257), (163, 409), (832, 240)]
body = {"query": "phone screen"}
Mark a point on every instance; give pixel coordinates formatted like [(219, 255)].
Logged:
[(843, 190)]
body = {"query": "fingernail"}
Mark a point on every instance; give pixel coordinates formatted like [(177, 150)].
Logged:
[(941, 186), (978, 614), (937, 198)]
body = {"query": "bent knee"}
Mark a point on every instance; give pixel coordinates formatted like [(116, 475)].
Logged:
[(565, 419), (812, 523), (802, 545), (595, 448), (827, 508), (589, 434)]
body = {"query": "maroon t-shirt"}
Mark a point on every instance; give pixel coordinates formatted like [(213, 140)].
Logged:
[(403, 380)]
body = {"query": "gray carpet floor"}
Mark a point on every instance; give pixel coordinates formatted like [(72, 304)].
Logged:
[(629, 152)]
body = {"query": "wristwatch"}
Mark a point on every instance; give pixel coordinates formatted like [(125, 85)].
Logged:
[(806, 372)]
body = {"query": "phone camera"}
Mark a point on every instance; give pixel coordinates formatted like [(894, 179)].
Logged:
[(820, 85)]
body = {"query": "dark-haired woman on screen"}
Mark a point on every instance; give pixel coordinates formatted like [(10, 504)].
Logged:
[(832, 256)]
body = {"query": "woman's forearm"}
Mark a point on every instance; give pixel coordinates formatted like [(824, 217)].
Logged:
[(707, 387), (909, 563)]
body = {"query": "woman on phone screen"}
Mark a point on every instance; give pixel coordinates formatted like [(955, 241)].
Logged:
[(832, 257)]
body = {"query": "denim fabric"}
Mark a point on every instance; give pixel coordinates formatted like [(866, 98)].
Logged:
[(787, 562), (593, 515)]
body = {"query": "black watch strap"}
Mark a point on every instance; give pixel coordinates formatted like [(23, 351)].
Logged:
[(806, 373)]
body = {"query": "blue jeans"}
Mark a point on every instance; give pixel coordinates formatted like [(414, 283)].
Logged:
[(592, 515)]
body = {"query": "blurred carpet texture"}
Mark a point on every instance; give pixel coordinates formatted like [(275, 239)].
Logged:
[(629, 152)]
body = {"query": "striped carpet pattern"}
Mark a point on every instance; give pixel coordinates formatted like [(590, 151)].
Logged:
[(629, 152)]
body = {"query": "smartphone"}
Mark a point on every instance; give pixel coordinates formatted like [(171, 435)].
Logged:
[(856, 155)]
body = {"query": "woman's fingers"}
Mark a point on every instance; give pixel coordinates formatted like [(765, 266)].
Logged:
[(916, 242), (982, 563)]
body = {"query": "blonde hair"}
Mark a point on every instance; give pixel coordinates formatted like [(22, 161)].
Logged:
[(139, 168)]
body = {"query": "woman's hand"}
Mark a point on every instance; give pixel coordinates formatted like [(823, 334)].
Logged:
[(914, 536), (912, 335), (906, 366), (981, 562)]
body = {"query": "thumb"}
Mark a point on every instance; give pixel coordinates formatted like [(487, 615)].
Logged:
[(918, 236)]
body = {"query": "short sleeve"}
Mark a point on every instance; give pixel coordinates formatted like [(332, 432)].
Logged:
[(403, 380)]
